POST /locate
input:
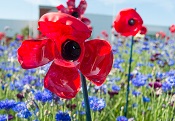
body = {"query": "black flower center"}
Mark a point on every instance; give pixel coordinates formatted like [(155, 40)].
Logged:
[(75, 14), (70, 50), (131, 22)]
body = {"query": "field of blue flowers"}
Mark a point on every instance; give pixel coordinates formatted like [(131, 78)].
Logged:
[(151, 97)]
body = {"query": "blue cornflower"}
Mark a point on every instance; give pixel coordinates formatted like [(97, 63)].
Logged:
[(24, 114), (134, 105), (115, 88), (171, 62), (139, 80), (166, 86), (146, 99), (7, 104), (44, 96), (62, 116), (8, 75), (3, 117), (121, 118), (150, 64), (145, 48), (136, 93), (117, 63), (140, 64), (171, 73), (149, 76), (19, 107), (160, 75), (96, 104)]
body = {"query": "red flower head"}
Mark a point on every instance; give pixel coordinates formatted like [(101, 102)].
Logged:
[(172, 28), (161, 34), (2, 35), (143, 30), (128, 22), (69, 52), (76, 11)]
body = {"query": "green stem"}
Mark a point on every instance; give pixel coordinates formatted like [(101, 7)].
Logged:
[(86, 100), (129, 76)]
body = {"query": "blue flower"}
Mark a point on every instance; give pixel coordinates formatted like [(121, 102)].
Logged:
[(166, 86), (115, 88), (136, 93), (139, 80), (160, 75), (96, 104), (121, 118), (62, 116), (3, 117), (24, 114), (7, 104), (19, 107), (171, 62), (44, 96), (146, 99)]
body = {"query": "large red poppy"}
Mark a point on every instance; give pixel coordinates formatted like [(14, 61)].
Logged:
[(77, 12), (70, 52), (172, 28), (128, 22)]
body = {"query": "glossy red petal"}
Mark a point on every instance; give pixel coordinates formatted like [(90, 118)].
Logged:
[(97, 61), (2, 35), (35, 53), (82, 6), (62, 9), (172, 28), (65, 82), (71, 3), (85, 20), (143, 30), (121, 23), (55, 25)]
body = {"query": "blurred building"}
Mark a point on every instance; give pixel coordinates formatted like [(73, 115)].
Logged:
[(98, 22)]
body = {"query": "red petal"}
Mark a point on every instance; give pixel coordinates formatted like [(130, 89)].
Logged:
[(71, 3), (35, 53), (172, 28), (55, 25), (143, 30), (121, 23), (2, 35), (86, 21), (97, 61), (65, 82), (62, 8), (82, 6)]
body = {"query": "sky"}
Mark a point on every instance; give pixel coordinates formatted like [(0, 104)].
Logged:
[(153, 12)]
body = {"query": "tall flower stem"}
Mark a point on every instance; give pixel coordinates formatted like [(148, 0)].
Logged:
[(129, 76), (86, 100)]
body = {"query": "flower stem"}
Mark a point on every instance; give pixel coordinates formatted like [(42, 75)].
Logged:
[(86, 100), (129, 75)]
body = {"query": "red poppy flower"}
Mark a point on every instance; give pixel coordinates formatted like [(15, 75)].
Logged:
[(143, 30), (161, 34), (69, 52), (172, 28), (2, 35), (128, 22), (76, 11)]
